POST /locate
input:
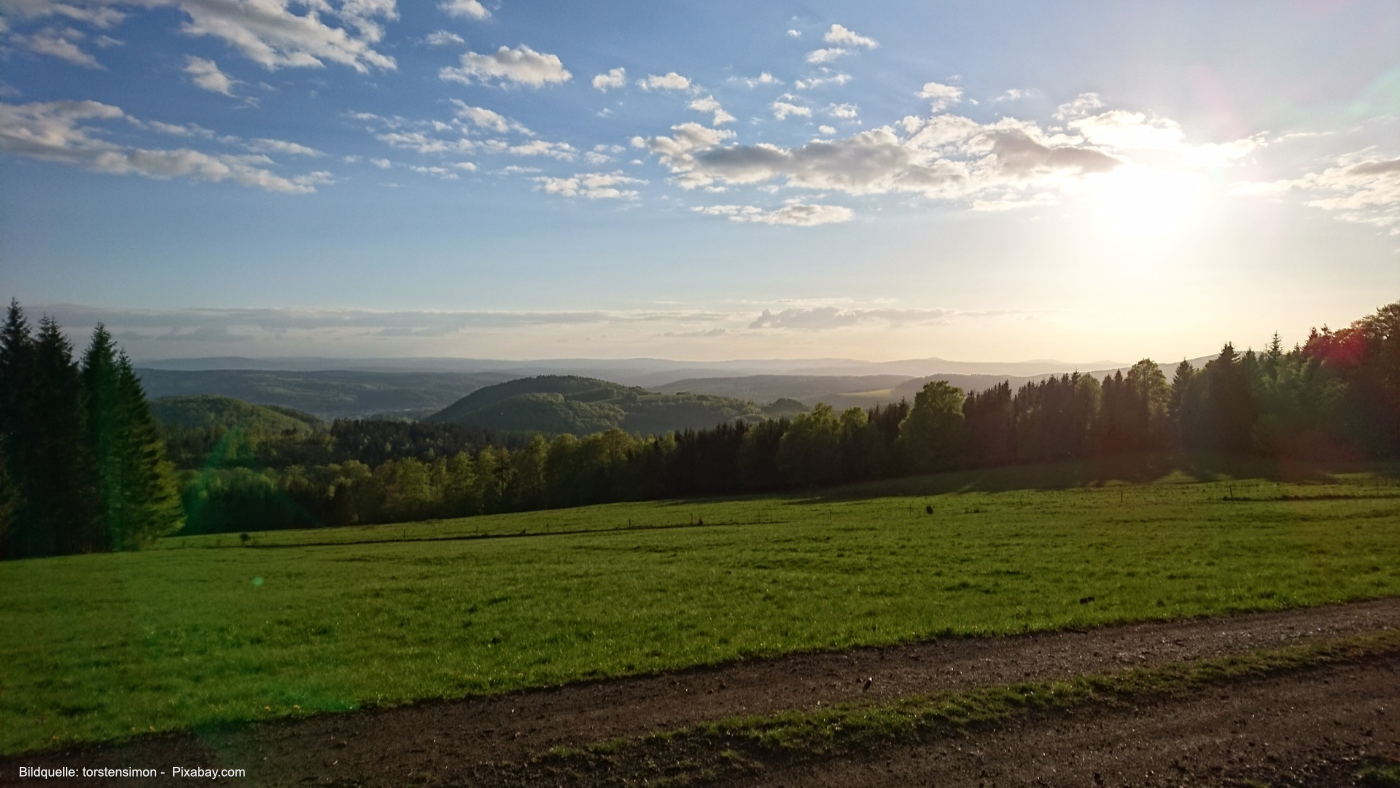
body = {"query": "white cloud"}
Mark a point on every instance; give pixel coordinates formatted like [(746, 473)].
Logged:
[(1359, 188), (554, 150), (794, 33), (101, 15), (827, 130), (762, 79), (1130, 131), (615, 78), (1014, 94), (487, 119), (783, 108), (825, 318), (825, 77), (947, 158), (942, 96), (269, 34), (593, 185), (710, 104), (382, 164), (841, 36), (796, 215), (206, 74), (282, 146), (59, 43), (1082, 105), (521, 65), (437, 172), (440, 38), (846, 111), (825, 55), (52, 131), (671, 81), (471, 9)]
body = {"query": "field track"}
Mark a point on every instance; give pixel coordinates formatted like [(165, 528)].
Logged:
[(1303, 722)]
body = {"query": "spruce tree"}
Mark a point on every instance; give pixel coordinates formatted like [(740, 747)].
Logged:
[(17, 524), (62, 487), (136, 491)]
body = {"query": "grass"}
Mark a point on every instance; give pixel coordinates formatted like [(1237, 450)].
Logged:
[(208, 632)]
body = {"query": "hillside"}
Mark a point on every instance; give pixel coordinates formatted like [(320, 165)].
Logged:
[(210, 411), (809, 389), (334, 394), (568, 403)]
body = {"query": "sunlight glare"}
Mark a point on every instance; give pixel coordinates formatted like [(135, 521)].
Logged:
[(1141, 203)]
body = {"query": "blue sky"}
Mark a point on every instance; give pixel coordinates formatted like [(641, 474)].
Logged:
[(976, 181)]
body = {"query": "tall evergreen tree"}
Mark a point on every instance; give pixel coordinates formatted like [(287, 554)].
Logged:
[(64, 487)]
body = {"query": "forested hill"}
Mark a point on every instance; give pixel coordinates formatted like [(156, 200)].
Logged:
[(213, 412), (557, 404), (333, 394)]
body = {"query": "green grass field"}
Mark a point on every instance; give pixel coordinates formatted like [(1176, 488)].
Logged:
[(205, 631)]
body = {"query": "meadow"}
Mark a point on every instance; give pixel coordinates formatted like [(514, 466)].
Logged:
[(210, 630)]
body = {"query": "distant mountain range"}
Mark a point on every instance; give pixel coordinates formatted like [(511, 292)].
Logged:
[(647, 372), (419, 388)]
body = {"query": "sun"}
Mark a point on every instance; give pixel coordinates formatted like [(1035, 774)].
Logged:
[(1141, 203)]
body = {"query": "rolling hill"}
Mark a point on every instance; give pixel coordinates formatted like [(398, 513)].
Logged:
[(568, 403), (211, 411)]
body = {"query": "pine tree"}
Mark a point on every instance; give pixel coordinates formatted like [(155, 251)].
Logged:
[(63, 487), (136, 493)]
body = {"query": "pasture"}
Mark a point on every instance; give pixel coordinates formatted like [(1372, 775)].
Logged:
[(204, 631)]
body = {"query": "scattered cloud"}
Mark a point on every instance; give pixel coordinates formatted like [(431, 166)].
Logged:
[(794, 33), (470, 9), (844, 111), (488, 119), (709, 104), (592, 185), (442, 38), (61, 43), (1014, 94), (826, 55), (827, 130), (671, 81), (1359, 188), (382, 164), (824, 77), (752, 82), (942, 96), (55, 131), (826, 318), (520, 66), (205, 74), (841, 36), (796, 214), (281, 146), (1082, 105), (615, 78), (947, 157), (783, 107)]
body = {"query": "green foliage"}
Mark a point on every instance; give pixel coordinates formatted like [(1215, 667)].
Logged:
[(809, 453), (206, 631), (85, 468), (212, 412), (932, 436)]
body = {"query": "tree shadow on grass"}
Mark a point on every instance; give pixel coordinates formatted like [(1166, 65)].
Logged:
[(1134, 469)]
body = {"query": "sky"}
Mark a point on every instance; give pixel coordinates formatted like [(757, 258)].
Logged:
[(989, 181)]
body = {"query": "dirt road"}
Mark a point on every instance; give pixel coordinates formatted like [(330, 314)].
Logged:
[(1305, 722)]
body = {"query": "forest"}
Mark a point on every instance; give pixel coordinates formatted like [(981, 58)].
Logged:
[(1335, 396)]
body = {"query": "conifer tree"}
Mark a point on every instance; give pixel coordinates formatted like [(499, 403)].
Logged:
[(137, 496)]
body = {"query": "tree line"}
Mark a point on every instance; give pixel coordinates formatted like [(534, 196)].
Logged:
[(82, 465), (1336, 396)]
